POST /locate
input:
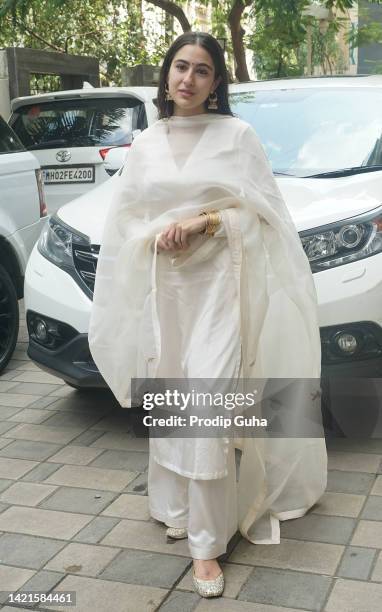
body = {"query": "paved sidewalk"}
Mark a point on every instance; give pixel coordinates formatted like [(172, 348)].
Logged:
[(73, 516)]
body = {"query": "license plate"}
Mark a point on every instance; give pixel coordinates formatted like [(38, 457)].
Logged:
[(69, 174)]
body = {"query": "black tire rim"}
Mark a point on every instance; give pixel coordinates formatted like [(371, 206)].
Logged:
[(8, 320)]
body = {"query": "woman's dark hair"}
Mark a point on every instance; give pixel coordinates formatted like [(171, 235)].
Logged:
[(210, 44)]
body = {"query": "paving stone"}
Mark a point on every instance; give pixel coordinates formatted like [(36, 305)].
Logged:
[(43, 433), (41, 472), (83, 420), (42, 582), (339, 504), (34, 388), (5, 483), (349, 482), (45, 523), (355, 462), (15, 468), (28, 449), (377, 488), (87, 438), (44, 402), (38, 377), (5, 385), (91, 478), (76, 455), (186, 602), (4, 442), (356, 563), (121, 441), (148, 568), (377, 572), (5, 426), (290, 554), (27, 551), (73, 499), (11, 579), (3, 506), (369, 534), (284, 588), (29, 415), (96, 595), (354, 596), (96, 530), (123, 460), (317, 528), (26, 493), (234, 577), (65, 391), (362, 445), (16, 399), (129, 506), (8, 411), (7, 375), (144, 535), (222, 604), (373, 508), (119, 422), (82, 559), (12, 609), (138, 486)]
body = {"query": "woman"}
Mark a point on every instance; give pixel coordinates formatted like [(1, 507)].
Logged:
[(201, 275)]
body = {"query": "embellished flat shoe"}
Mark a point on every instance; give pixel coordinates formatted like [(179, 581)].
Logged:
[(209, 588), (177, 533)]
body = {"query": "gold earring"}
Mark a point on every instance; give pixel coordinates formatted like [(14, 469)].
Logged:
[(212, 101), (167, 93)]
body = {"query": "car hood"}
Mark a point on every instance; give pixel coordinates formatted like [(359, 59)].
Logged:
[(311, 202)]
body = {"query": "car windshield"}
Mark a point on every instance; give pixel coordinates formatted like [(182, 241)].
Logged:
[(315, 130), (79, 123), (9, 143)]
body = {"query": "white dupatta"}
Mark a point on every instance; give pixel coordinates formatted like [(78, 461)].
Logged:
[(175, 168)]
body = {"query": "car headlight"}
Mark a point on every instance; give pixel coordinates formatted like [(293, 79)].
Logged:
[(56, 243), (340, 243)]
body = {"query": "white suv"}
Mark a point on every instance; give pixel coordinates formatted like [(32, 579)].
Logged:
[(73, 132), (22, 214), (323, 137)]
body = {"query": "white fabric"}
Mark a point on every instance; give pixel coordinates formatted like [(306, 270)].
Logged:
[(208, 508), (175, 168)]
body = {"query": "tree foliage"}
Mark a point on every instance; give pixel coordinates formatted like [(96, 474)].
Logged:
[(113, 31)]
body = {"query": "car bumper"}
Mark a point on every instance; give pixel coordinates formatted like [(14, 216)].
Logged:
[(52, 294)]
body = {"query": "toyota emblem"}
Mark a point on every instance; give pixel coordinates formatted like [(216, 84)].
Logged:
[(63, 156)]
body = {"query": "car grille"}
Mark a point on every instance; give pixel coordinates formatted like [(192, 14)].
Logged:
[(85, 261)]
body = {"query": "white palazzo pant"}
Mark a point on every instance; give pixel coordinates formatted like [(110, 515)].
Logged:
[(207, 508)]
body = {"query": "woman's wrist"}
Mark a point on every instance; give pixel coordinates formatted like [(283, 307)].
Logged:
[(212, 221)]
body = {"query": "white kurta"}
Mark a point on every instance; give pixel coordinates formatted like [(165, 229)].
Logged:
[(250, 288)]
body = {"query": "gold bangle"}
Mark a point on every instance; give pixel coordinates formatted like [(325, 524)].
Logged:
[(213, 220)]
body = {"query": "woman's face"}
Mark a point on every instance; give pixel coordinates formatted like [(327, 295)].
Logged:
[(191, 69)]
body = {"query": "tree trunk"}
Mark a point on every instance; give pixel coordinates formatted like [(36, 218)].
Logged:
[(237, 34), (174, 10)]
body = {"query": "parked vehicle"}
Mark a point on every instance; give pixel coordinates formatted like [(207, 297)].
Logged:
[(72, 133), (323, 139), (22, 214)]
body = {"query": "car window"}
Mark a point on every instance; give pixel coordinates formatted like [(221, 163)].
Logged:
[(9, 143), (79, 123), (313, 130)]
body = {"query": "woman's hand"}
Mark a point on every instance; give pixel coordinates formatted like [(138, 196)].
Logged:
[(176, 236)]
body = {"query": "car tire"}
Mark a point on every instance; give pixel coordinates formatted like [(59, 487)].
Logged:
[(9, 317)]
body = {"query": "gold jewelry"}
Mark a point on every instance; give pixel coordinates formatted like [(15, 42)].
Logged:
[(167, 93), (213, 220), (212, 101)]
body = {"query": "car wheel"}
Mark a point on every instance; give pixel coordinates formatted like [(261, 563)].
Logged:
[(9, 317)]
